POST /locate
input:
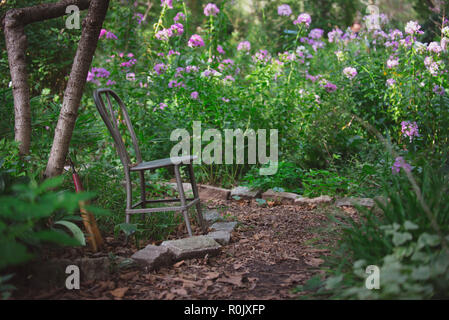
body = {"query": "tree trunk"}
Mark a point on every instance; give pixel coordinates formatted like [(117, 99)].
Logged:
[(13, 24), (86, 48), (16, 43)]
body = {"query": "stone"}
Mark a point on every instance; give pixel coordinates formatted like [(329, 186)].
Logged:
[(224, 226), (351, 202), (221, 236), (211, 216), (193, 247), (212, 193), (282, 197), (317, 200), (244, 192), (154, 257)]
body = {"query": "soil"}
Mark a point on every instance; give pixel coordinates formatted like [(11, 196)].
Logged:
[(273, 250)]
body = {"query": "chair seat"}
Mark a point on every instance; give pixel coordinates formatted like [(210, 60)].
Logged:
[(162, 163)]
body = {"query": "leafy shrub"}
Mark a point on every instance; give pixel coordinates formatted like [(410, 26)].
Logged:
[(411, 252)]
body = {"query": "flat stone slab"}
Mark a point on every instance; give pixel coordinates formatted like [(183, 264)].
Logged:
[(211, 216), (154, 257), (212, 193), (283, 197), (317, 200), (221, 236), (224, 226), (193, 247), (351, 202), (245, 192)]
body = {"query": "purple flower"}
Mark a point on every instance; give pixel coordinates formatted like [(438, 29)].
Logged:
[(110, 83), (195, 41), (168, 3), (191, 69), (131, 76), (303, 18), (211, 10), (129, 63), (229, 78), (172, 52), (284, 10), (164, 34), (350, 72), (225, 99), (316, 33), (262, 56), (400, 163), (220, 50), (439, 90), (392, 63), (409, 129), (413, 27), (244, 46), (179, 16), (172, 83), (391, 82), (330, 87), (102, 33), (139, 17), (108, 34), (194, 95), (159, 68), (177, 28), (335, 35), (434, 47)]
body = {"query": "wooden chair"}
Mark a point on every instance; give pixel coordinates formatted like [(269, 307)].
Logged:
[(110, 118)]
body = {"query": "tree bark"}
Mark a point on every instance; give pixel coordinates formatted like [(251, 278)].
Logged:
[(16, 43), (13, 24), (86, 48)]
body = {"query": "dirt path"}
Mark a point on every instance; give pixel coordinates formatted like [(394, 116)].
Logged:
[(272, 251)]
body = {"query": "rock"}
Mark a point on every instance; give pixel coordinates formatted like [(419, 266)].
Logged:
[(224, 226), (283, 197), (221, 236), (244, 192), (193, 247), (211, 216), (93, 268), (351, 202), (212, 193), (154, 257), (317, 200)]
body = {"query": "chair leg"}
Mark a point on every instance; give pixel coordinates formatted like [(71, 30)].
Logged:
[(183, 199), (142, 193), (196, 195)]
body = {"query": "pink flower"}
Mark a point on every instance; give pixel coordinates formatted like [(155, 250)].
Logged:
[(211, 10), (195, 41), (409, 129), (164, 34), (179, 16), (284, 10), (413, 27), (303, 18), (168, 3), (391, 82), (194, 95), (131, 76), (177, 28), (350, 72), (159, 68), (398, 164), (102, 33), (220, 50), (392, 63), (244, 46)]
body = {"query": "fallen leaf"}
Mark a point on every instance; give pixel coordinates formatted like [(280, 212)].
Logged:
[(178, 264), (314, 262), (235, 280), (212, 275), (119, 292)]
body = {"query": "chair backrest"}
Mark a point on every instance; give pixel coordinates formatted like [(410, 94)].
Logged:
[(111, 119)]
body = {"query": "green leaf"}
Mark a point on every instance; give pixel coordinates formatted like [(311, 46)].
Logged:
[(13, 253), (56, 236), (400, 238), (127, 228), (408, 225), (421, 273), (428, 240), (74, 229)]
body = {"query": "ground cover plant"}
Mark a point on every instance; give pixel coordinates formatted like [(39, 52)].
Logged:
[(359, 102)]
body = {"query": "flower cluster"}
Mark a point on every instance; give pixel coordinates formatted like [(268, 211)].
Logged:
[(211, 10), (400, 163), (409, 129), (284, 10)]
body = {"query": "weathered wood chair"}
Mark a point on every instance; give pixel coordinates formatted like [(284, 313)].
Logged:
[(110, 118)]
